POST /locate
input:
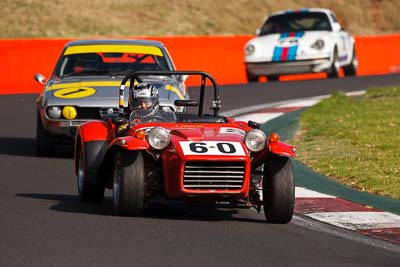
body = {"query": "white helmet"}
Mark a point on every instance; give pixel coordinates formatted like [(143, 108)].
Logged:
[(143, 96)]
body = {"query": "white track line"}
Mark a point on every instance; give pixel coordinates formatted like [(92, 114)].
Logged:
[(306, 193), (301, 103), (358, 220), (258, 117)]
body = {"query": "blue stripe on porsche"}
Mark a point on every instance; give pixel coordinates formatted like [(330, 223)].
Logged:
[(284, 35), (296, 11), (278, 50), (277, 53), (293, 50)]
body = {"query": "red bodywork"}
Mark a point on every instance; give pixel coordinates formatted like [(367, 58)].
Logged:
[(209, 138), (177, 151)]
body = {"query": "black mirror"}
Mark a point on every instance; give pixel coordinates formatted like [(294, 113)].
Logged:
[(254, 124), (186, 103)]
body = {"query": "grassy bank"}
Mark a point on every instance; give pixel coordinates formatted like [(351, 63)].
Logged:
[(355, 140), (75, 18)]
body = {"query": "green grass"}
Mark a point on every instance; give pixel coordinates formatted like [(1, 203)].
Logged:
[(355, 140)]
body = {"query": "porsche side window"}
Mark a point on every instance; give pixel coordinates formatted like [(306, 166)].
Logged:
[(334, 18)]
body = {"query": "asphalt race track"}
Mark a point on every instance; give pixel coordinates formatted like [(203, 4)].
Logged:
[(43, 223)]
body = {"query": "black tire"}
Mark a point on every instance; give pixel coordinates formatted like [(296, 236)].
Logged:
[(89, 188), (128, 184), (278, 190), (250, 77), (273, 78), (333, 71), (44, 146), (351, 69)]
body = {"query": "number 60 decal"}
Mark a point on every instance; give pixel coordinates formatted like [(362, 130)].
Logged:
[(212, 148)]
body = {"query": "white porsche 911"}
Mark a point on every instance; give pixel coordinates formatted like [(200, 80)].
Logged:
[(300, 41)]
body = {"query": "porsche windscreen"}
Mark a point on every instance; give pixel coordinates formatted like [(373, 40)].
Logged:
[(106, 60), (294, 22)]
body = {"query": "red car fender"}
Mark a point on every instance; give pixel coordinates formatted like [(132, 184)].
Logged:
[(98, 132), (94, 131), (278, 148), (283, 149), (105, 168), (130, 143)]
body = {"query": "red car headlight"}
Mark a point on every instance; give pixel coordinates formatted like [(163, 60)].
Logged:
[(255, 140), (158, 138)]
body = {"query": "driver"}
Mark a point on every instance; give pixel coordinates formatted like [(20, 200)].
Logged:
[(144, 104)]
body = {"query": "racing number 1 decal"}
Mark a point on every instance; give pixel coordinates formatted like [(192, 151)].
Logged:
[(75, 92), (212, 148)]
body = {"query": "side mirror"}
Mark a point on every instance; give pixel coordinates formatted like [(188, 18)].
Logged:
[(186, 103), (40, 78), (336, 27), (254, 125), (258, 32)]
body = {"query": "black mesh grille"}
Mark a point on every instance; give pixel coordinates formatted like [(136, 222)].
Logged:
[(217, 175), (92, 113), (88, 113)]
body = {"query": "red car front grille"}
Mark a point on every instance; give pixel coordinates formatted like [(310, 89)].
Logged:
[(213, 175)]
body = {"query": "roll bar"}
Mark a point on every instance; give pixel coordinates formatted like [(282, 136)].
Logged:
[(216, 103)]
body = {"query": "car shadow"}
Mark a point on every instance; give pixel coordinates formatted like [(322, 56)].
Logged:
[(71, 204), (162, 211), (18, 146), (25, 146)]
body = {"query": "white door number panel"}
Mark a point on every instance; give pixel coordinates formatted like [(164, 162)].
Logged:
[(212, 148)]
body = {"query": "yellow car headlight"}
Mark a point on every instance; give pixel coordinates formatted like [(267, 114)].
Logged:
[(69, 112)]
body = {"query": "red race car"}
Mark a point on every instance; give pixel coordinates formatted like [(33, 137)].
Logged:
[(149, 151)]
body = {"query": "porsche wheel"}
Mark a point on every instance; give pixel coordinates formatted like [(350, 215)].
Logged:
[(250, 77), (87, 189), (128, 184), (351, 69), (333, 71), (278, 189), (44, 147)]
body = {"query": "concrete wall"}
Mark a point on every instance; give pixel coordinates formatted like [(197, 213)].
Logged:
[(221, 56)]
